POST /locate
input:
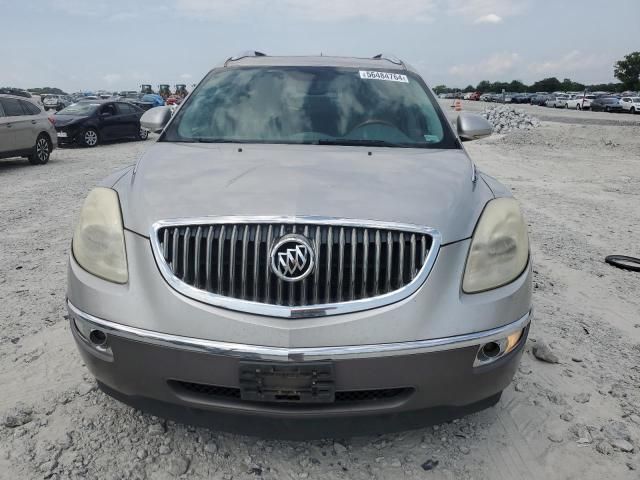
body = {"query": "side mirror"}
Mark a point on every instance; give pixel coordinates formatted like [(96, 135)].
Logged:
[(473, 127), (155, 119)]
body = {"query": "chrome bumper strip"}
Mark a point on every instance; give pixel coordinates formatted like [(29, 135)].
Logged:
[(256, 352)]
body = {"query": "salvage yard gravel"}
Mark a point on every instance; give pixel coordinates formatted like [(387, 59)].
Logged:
[(506, 118), (578, 418)]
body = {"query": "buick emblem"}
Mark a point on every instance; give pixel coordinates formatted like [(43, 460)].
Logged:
[(292, 258)]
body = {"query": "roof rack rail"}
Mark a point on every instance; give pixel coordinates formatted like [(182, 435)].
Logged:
[(247, 53), (390, 58)]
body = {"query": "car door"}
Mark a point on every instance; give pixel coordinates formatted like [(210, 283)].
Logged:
[(626, 103), (36, 119), (19, 123), (108, 122), (6, 133), (129, 118)]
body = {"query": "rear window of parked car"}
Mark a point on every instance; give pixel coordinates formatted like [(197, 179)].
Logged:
[(11, 107), (125, 108), (29, 108)]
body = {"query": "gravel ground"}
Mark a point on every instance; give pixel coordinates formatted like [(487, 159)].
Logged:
[(579, 418)]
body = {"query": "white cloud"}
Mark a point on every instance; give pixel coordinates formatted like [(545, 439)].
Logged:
[(490, 18), (327, 10), (491, 67), (487, 11)]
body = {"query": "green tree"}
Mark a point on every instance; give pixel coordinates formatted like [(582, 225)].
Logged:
[(469, 89), (516, 86), (627, 71), (484, 86), (551, 84), (438, 89)]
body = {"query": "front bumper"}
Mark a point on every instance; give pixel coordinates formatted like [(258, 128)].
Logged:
[(71, 134), (197, 381)]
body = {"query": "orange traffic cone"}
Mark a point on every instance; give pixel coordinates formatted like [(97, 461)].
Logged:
[(458, 105)]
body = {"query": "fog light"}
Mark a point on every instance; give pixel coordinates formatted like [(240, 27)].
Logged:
[(94, 338), (492, 351)]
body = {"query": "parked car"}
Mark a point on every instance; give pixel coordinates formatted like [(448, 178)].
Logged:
[(606, 104), (15, 92), (56, 102), (25, 130), (475, 96), (485, 97), (149, 100), (630, 104), (174, 100), (557, 101), (521, 98), (89, 123), (232, 272), (540, 99), (580, 102)]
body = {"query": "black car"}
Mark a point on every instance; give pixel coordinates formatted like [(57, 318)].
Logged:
[(89, 123), (606, 104)]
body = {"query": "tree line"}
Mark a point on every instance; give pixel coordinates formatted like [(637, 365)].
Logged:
[(626, 70)]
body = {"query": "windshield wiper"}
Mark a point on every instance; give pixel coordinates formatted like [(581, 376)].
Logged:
[(358, 142)]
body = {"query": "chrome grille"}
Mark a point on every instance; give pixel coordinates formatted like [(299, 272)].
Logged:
[(231, 260)]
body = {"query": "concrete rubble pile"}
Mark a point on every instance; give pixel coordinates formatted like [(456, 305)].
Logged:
[(506, 118)]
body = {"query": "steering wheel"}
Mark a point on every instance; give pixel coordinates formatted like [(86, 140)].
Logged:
[(372, 121)]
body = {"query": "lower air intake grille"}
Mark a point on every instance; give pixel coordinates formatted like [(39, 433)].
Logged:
[(350, 396)]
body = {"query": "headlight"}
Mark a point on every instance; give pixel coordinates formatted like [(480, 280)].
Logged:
[(98, 242), (499, 249)]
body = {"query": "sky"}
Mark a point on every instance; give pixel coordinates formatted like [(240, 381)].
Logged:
[(120, 44)]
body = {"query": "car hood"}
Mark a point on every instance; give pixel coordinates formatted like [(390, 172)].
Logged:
[(426, 187), (63, 120)]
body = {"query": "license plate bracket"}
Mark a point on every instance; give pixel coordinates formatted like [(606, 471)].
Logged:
[(309, 382)]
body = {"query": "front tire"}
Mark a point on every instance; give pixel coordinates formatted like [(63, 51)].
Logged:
[(632, 111), (41, 150), (607, 109), (89, 137), (143, 134)]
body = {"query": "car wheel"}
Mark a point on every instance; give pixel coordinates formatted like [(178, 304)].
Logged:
[(606, 109), (41, 150), (143, 134), (89, 137), (632, 111), (578, 107)]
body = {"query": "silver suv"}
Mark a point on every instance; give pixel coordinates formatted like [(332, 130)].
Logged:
[(25, 130), (307, 250)]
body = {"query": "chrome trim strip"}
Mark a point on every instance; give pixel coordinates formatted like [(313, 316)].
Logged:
[(284, 311), (239, 350)]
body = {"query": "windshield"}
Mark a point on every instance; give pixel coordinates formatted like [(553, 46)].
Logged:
[(311, 105), (79, 109)]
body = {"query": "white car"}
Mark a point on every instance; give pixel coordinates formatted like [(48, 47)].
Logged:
[(580, 102), (558, 101), (630, 104)]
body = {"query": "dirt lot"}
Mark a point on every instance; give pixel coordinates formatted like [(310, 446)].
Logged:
[(579, 184)]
